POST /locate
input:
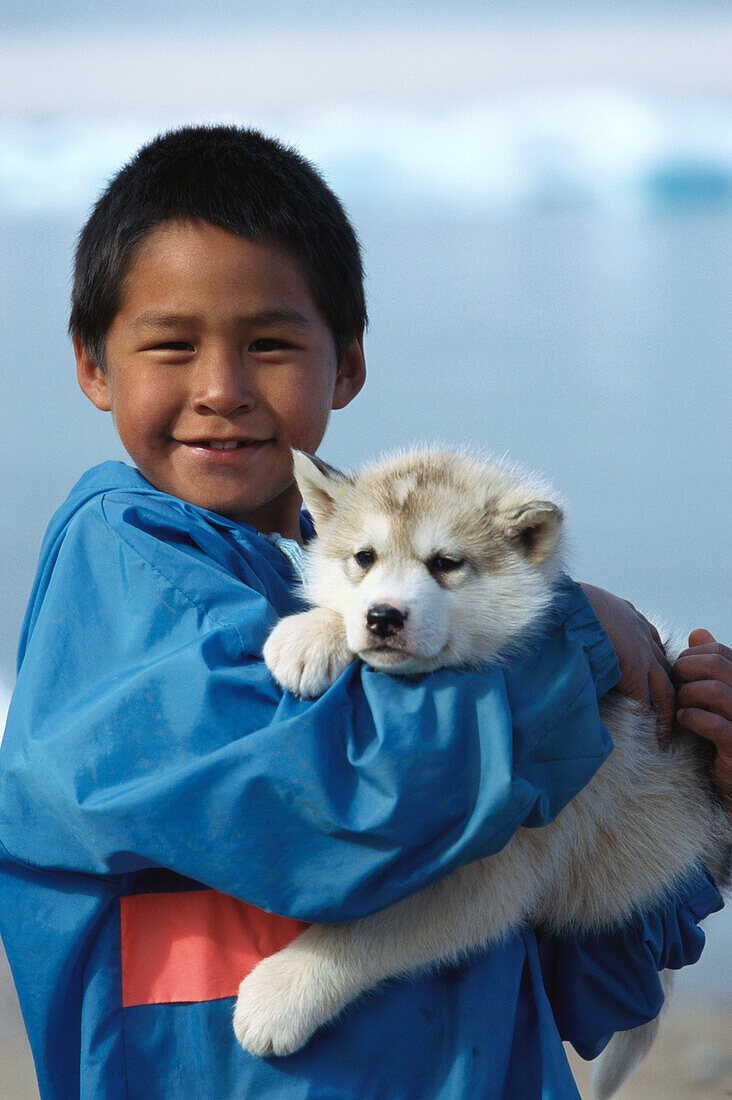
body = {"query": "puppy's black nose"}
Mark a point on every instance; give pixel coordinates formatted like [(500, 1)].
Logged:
[(384, 620)]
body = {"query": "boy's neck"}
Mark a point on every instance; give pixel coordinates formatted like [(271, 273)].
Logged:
[(279, 517)]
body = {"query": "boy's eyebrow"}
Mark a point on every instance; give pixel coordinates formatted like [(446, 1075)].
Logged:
[(285, 315)]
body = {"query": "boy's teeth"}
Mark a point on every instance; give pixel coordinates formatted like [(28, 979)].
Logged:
[(228, 445)]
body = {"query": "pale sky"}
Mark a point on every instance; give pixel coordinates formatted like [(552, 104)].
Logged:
[(328, 12), (92, 69)]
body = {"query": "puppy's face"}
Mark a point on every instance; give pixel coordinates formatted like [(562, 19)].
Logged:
[(433, 558)]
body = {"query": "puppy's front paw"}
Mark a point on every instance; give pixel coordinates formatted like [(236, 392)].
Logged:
[(273, 1015), (307, 653)]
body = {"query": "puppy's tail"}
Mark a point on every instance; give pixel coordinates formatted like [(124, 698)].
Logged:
[(626, 1050)]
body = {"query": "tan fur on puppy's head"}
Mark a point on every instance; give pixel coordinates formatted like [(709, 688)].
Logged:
[(464, 549)]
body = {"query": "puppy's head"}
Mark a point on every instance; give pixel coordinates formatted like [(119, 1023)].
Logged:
[(433, 558)]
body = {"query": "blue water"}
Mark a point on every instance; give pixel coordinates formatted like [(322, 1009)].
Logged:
[(593, 347)]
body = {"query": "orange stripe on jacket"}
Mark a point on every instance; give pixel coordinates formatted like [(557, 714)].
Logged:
[(194, 946)]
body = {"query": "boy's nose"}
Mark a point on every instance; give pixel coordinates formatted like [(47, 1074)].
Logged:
[(221, 386)]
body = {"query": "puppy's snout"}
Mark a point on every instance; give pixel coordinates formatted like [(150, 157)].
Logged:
[(384, 621)]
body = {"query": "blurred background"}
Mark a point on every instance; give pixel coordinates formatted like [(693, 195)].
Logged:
[(543, 190)]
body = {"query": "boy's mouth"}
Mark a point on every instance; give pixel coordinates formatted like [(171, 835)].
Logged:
[(224, 444), (229, 445)]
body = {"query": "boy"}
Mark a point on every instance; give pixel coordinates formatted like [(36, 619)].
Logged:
[(160, 799)]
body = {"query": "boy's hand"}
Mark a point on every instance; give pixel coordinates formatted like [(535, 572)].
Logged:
[(704, 675), (645, 673)]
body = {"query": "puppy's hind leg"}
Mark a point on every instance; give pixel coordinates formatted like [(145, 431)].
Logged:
[(626, 1050)]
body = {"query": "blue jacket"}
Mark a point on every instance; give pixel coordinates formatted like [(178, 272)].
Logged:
[(151, 768)]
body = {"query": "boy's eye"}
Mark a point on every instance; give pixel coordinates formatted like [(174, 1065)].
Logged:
[(174, 345), (268, 343)]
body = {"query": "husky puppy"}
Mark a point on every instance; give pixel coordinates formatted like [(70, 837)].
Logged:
[(439, 558)]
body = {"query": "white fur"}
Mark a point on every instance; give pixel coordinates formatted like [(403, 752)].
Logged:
[(642, 823), (408, 588)]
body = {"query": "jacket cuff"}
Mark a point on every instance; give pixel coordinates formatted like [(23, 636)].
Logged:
[(609, 982), (580, 618)]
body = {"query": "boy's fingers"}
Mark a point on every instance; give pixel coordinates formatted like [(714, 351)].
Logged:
[(710, 695), (718, 730), (700, 636), (663, 699), (635, 683), (704, 671), (664, 666), (651, 686), (703, 666), (713, 647)]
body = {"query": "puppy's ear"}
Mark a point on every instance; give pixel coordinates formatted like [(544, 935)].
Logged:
[(534, 527), (321, 485)]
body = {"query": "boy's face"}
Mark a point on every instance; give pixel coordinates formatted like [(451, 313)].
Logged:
[(218, 341)]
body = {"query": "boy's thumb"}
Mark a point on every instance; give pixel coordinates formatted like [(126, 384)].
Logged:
[(700, 637)]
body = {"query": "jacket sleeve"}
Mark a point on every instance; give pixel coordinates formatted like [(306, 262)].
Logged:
[(609, 982), (146, 731)]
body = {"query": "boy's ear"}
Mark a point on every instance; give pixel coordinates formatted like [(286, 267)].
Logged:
[(351, 374), (321, 486), (534, 527), (91, 378)]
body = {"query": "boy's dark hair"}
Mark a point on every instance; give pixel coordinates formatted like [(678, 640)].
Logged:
[(233, 178)]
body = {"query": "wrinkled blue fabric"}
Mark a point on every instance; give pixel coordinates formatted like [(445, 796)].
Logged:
[(602, 970), (147, 748)]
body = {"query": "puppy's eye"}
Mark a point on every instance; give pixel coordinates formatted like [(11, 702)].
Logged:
[(441, 563), (365, 558)]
